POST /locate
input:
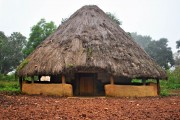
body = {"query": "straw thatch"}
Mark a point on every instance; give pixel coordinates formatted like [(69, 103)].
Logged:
[(90, 41)]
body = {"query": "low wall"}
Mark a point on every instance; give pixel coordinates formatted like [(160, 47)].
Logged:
[(47, 89), (131, 90)]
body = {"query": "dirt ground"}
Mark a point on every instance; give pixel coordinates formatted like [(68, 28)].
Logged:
[(23, 107)]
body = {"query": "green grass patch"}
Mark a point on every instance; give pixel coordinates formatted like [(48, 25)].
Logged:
[(9, 86), (172, 83), (7, 77), (8, 83)]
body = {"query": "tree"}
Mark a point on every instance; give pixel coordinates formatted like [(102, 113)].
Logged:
[(143, 41), (177, 58), (39, 32), (11, 51), (2, 39), (178, 45), (160, 52), (114, 18), (177, 54), (3, 48)]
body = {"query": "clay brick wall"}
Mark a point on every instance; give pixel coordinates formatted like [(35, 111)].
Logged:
[(47, 89), (131, 90)]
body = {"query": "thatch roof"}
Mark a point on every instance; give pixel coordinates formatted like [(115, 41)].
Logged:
[(90, 41)]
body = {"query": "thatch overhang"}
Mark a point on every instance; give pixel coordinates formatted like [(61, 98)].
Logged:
[(90, 41)]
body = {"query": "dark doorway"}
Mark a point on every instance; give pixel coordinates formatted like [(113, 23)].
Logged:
[(55, 79), (85, 84), (86, 87)]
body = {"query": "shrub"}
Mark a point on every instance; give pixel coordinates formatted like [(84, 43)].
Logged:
[(7, 77), (9, 86)]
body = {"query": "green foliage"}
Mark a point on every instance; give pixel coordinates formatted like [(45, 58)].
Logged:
[(177, 58), (3, 39), (136, 81), (7, 77), (11, 51), (3, 50), (89, 52), (70, 65), (143, 41), (23, 63), (158, 49), (174, 77), (9, 86), (178, 47), (178, 44), (114, 18), (160, 52), (39, 32), (164, 92), (173, 82)]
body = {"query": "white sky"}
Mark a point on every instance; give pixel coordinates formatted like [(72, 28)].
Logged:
[(157, 18)]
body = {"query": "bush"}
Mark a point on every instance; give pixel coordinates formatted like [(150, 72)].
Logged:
[(164, 92), (173, 79), (9, 86), (7, 77), (173, 82), (175, 75)]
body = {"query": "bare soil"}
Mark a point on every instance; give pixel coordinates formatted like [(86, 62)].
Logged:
[(23, 107)]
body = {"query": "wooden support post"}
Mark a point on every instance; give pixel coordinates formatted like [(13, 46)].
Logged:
[(39, 77), (144, 81), (158, 87), (20, 83), (112, 80), (32, 79), (63, 79)]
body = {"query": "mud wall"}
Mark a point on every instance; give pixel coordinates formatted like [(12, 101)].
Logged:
[(131, 90), (47, 89)]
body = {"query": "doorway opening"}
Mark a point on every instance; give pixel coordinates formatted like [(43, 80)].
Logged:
[(87, 84)]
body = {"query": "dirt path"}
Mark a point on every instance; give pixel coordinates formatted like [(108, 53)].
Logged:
[(42, 107)]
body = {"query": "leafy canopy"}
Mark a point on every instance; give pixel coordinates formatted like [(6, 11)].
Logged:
[(114, 18), (39, 32), (177, 54), (178, 44), (143, 41), (177, 58), (158, 49), (11, 51)]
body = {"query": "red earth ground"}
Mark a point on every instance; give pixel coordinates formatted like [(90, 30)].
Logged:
[(23, 107)]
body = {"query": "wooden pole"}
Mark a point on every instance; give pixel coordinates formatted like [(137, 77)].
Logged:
[(20, 83), (63, 82), (158, 87), (63, 79), (144, 81), (39, 77), (111, 80), (32, 79)]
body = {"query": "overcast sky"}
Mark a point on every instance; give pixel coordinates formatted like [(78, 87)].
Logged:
[(157, 18)]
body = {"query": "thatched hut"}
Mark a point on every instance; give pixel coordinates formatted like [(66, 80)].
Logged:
[(89, 54)]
